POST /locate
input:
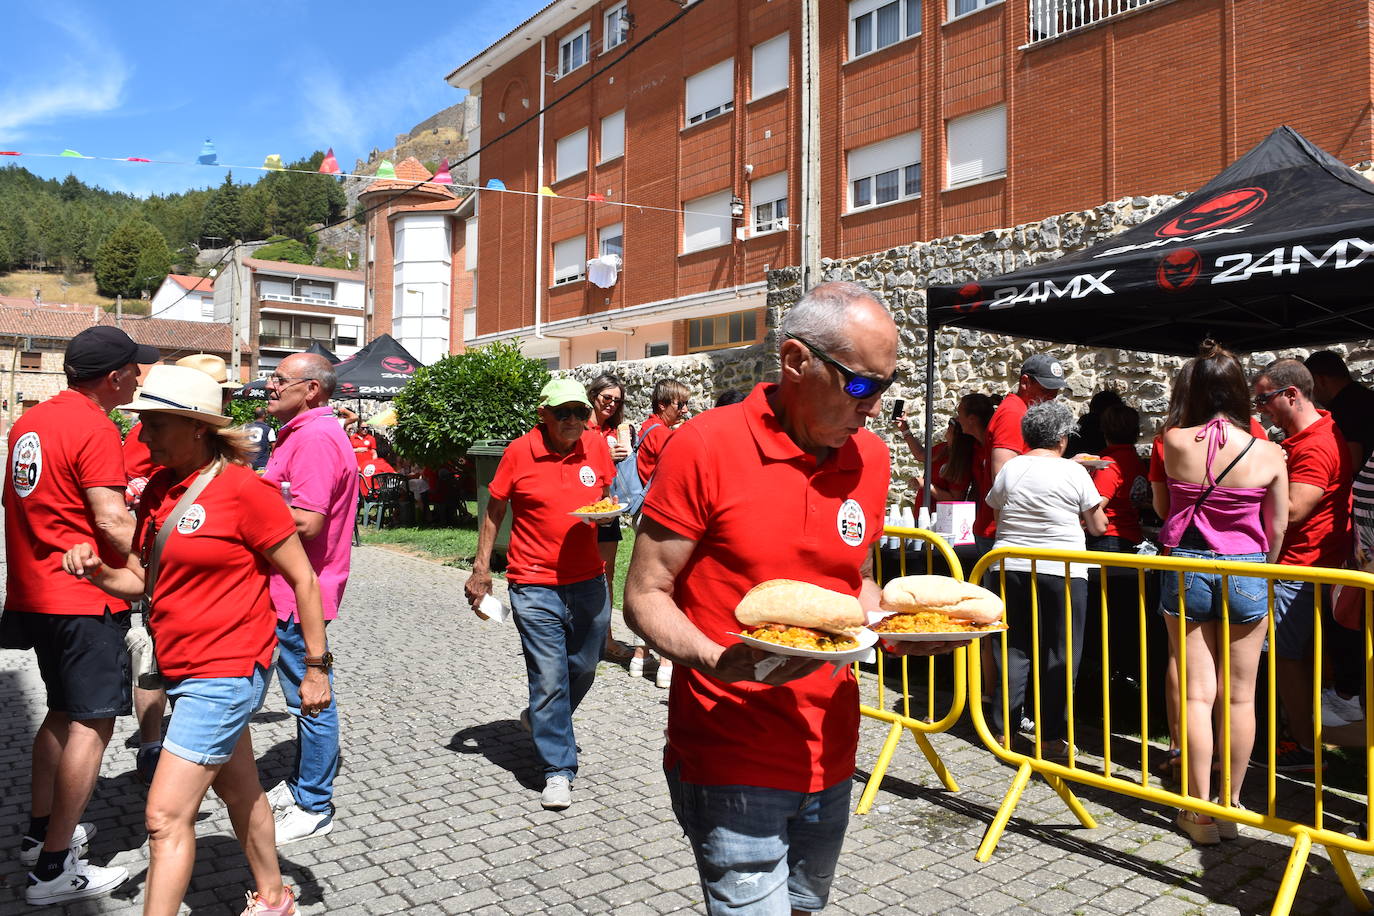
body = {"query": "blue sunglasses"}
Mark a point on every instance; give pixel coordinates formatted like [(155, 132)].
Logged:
[(859, 387)]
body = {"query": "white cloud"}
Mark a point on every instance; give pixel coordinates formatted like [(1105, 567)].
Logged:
[(89, 78)]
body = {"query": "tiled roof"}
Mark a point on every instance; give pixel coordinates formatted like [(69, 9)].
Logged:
[(199, 284), (24, 318), (287, 269), (408, 172)]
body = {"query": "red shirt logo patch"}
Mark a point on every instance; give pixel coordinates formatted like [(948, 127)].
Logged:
[(27, 463), (192, 520), (587, 476), (849, 521)]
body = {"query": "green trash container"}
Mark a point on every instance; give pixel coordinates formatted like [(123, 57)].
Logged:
[(486, 455)]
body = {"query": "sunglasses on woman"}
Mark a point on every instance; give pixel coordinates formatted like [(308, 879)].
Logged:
[(857, 386), (577, 410)]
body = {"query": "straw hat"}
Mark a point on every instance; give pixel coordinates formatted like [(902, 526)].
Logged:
[(212, 366), (182, 391)]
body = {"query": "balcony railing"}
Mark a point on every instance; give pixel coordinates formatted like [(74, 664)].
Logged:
[(307, 300), (294, 343), (1052, 18)]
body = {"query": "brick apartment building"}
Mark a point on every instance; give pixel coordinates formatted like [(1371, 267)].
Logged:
[(936, 117)]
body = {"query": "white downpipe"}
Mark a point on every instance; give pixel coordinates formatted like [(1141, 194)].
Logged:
[(539, 285)]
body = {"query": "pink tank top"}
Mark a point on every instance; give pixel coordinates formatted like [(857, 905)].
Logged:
[(1228, 519)]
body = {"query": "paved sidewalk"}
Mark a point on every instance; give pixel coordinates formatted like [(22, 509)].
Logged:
[(438, 801)]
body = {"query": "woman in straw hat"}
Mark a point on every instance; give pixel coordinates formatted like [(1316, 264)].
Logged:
[(207, 530)]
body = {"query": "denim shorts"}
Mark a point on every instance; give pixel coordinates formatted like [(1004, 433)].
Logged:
[(762, 852), (1293, 605), (1248, 598), (209, 715)]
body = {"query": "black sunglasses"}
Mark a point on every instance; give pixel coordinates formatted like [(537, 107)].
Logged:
[(1262, 399), (859, 387), (577, 410)]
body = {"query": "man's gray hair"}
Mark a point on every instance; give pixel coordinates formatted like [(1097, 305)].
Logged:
[(1046, 423), (314, 366), (820, 315)]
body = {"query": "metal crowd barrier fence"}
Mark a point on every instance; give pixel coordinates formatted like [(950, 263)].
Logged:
[(1311, 826), (931, 546)]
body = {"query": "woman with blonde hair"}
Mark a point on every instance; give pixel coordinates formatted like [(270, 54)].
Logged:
[(1224, 497), (208, 529)]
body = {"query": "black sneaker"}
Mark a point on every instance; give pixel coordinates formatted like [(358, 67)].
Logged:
[(1291, 757), (146, 763)]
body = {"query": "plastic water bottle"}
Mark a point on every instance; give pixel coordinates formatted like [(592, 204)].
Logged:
[(908, 517), (286, 491), (923, 520), (1147, 549)]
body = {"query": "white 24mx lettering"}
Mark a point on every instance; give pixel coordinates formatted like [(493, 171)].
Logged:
[(1342, 255)]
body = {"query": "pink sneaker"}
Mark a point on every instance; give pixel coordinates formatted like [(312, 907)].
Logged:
[(258, 907)]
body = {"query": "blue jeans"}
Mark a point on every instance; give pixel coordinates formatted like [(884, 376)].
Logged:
[(562, 632), (317, 737), (762, 852)]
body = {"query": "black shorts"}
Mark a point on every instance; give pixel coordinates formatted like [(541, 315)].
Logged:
[(609, 534), (81, 657)]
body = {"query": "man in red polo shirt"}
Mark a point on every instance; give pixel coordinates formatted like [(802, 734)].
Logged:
[(554, 569), (1320, 471), (1042, 378), (65, 482), (787, 484)]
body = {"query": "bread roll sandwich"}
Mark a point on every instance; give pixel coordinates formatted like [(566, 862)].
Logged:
[(938, 604), (801, 615)]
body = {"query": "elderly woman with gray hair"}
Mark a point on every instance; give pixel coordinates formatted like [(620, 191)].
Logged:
[(1042, 499)]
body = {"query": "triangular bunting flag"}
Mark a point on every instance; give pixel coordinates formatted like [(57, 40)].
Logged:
[(330, 165), (208, 156), (136, 159), (386, 169), (442, 176), (273, 163), (546, 191), (10, 152), (495, 184), (73, 154), (599, 198)]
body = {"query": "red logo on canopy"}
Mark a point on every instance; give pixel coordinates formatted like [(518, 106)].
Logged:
[(1178, 269), (969, 297), (1215, 212), (397, 364)]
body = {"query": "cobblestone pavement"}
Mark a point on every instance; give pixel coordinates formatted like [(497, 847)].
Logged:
[(438, 804)]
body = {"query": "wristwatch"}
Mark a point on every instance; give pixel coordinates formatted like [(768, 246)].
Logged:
[(325, 661)]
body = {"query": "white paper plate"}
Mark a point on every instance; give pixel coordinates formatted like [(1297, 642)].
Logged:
[(598, 516), (938, 637), (1097, 463), (866, 640)]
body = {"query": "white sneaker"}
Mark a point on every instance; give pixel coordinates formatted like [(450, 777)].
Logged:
[(279, 797), (79, 880), (637, 665), (1338, 711), (295, 824), (557, 793), (29, 848), (664, 678)]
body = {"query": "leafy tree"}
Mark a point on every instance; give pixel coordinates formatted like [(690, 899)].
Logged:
[(135, 257), (281, 248), (486, 393), (241, 411)]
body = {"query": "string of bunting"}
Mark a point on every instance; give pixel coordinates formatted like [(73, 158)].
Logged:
[(385, 171)]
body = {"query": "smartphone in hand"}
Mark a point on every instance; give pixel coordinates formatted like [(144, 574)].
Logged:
[(898, 409)]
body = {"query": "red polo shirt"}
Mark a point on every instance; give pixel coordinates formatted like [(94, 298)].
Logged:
[(1004, 431), (58, 449), (653, 436), (760, 508), (1115, 482), (212, 615), (547, 545), (1318, 456), (138, 461)]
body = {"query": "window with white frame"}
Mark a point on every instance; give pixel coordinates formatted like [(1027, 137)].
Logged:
[(887, 171), (770, 72), (977, 146), (569, 260), (605, 356), (616, 27), (572, 50), (571, 155), (768, 197), (706, 222), (875, 24), (656, 349), (611, 240), (960, 7), (710, 93), (612, 136)]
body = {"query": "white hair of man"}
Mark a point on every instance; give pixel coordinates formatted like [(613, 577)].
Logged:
[(820, 315), (1046, 423)]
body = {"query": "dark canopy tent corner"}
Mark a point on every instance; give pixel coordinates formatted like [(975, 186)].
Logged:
[(1277, 251), (376, 372)]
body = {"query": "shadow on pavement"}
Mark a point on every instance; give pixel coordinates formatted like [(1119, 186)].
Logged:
[(504, 744)]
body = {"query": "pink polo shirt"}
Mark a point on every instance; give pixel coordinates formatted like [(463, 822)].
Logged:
[(313, 453)]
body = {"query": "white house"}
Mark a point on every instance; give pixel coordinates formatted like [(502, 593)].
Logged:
[(184, 298)]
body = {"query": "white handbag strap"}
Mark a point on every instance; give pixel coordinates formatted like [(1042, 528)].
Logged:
[(178, 511)]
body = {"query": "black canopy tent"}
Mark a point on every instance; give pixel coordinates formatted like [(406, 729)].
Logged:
[(377, 372), (256, 390), (1276, 251)]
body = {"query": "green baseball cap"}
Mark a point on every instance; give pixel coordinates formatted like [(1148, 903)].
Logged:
[(561, 391)]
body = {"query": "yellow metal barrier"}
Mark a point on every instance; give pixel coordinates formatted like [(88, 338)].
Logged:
[(899, 722), (1059, 773)]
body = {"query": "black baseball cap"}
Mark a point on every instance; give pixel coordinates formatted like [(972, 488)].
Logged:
[(103, 348), (1046, 370)]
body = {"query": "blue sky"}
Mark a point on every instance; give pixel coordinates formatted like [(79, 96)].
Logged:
[(154, 79)]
